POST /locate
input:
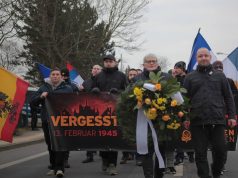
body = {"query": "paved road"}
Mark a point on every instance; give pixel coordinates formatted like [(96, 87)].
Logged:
[(31, 162)]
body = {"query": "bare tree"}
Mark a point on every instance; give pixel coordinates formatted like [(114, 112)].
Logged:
[(9, 52), (6, 20), (163, 63), (122, 18)]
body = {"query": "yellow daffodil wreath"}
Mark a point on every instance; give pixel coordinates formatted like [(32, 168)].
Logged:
[(157, 104)]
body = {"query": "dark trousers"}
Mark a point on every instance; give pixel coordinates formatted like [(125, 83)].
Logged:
[(110, 157), (56, 157), (151, 167), (203, 136), (33, 121)]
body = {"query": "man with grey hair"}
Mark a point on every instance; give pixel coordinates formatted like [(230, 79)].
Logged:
[(150, 63), (210, 94)]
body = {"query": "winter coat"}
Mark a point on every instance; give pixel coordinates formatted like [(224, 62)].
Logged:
[(110, 78), (209, 93), (47, 87)]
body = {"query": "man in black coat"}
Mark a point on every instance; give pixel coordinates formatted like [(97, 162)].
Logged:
[(113, 81), (209, 94), (55, 84), (87, 86)]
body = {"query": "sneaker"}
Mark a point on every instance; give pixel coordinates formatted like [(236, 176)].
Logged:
[(111, 170), (59, 173), (224, 169), (51, 172), (172, 170), (138, 162)]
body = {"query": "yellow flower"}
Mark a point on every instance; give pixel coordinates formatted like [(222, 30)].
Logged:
[(155, 105), (158, 86), (173, 103), (164, 100), (148, 101), (162, 108), (173, 126), (151, 113), (137, 91), (160, 100)]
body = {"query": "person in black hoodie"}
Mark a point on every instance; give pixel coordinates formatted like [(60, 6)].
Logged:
[(55, 84), (209, 94), (151, 169), (113, 81)]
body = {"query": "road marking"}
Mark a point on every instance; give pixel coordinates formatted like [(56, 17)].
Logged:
[(179, 170), (2, 166)]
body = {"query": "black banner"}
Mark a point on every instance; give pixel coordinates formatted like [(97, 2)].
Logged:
[(87, 121)]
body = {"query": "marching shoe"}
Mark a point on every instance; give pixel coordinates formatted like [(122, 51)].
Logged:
[(59, 173)]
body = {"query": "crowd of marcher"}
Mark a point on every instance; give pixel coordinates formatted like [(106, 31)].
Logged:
[(211, 98)]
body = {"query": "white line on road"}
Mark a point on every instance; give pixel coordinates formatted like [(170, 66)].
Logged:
[(2, 166)]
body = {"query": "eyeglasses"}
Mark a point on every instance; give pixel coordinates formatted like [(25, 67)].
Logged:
[(152, 62)]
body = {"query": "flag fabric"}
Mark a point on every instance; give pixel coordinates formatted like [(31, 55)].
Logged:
[(12, 96), (45, 71), (199, 42), (74, 75), (230, 66)]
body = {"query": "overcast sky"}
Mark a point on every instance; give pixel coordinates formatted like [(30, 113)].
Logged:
[(170, 27)]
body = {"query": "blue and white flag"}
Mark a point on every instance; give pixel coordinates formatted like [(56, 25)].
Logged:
[(45, 71), (199, 42), (230, 66)]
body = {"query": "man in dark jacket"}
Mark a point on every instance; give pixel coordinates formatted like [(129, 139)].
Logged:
[(87, 86), (150, 170), (209, 94), (55, 84), (113, 81)]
